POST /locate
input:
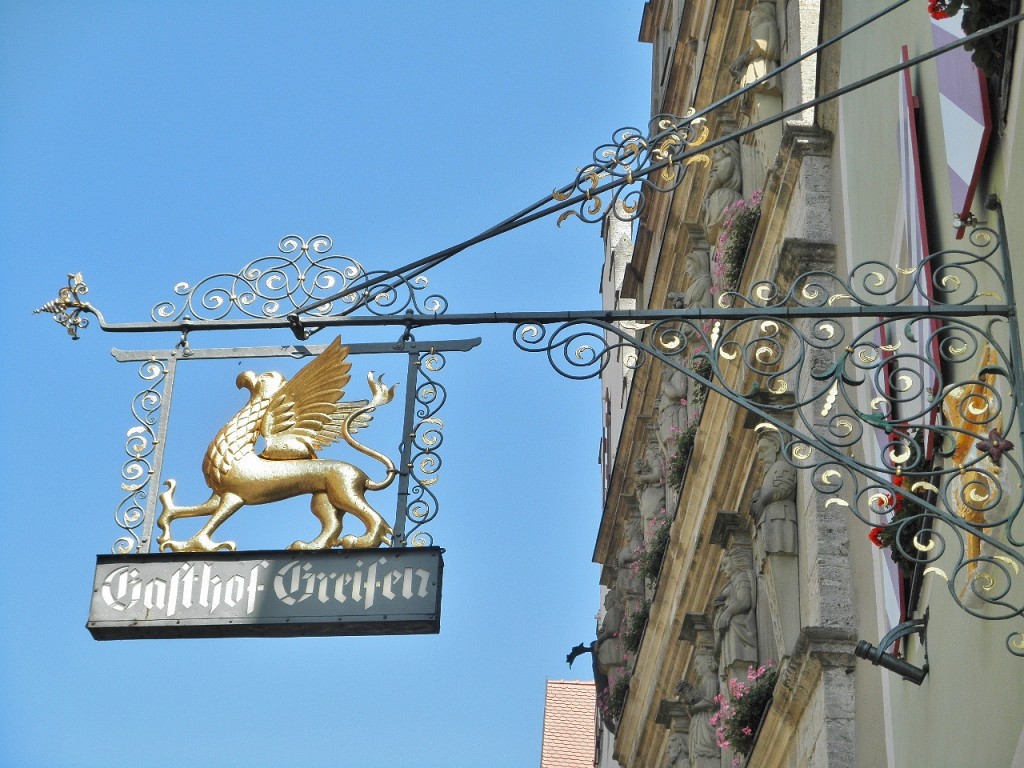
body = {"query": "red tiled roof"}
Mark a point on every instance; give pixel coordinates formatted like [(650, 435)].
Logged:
[(570, 724)]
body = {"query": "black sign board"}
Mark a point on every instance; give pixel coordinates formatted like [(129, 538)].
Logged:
[(268, 594)]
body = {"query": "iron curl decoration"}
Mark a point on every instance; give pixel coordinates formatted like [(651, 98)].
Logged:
[(140, 445), (577, 349), (305, 272), (953, 278), (634, 164), (894, 388), (425, 441)]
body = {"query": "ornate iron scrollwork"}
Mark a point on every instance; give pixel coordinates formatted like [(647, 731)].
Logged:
[(68, 307), (305, 273), (894, 388), (141, 444), (425, 440), (632, 165)]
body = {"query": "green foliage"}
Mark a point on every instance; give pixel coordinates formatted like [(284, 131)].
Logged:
[(635, 627), (679, 461), (617, 697), (651, 558)]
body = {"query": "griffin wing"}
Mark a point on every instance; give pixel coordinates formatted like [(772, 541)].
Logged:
[(304, 415)]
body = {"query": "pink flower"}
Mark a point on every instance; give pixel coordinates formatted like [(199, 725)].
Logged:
[(746, 730)]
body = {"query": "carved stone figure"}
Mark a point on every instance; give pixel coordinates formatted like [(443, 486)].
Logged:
[(698, 269), (735, 617), (295, 418), (628, 580), (762, 56), (725, 186), (703, 748), (677, 754), (674, 408), (650, 486), (774, 504), (610, 651)]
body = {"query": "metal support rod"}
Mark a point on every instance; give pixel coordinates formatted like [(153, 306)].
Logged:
[(897, 312), (408, 437), (553, 204)]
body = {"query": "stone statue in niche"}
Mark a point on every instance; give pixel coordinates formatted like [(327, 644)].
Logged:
[(762, 56), (628, 580), (698, 269), (774, 503), (650, 488), (609, 648), (725, 187), (674, 412), (735, 617), (700, 702), (698, 290)]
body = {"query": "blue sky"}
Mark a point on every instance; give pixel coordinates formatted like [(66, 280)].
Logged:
[(148, 143)]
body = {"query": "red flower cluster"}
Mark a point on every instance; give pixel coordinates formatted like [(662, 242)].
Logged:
[(875, 535), (947, 9)]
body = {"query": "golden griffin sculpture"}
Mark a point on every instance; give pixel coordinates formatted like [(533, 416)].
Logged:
[(295, 418)]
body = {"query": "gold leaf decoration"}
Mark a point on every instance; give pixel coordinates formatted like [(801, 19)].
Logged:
[(1008, 561), (802, 452), (830, 398), (900, 457), (920, 544), (565, 216), (950, 282)]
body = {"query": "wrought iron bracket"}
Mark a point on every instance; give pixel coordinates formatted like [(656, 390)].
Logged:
[(878, 655)]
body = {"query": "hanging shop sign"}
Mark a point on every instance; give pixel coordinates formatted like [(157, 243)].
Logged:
[(383, 575)]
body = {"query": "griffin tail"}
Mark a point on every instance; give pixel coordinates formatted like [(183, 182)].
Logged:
[(382, 395)]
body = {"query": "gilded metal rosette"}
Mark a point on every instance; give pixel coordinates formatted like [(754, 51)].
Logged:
[(304, 273), (68, 307), (633, 164)]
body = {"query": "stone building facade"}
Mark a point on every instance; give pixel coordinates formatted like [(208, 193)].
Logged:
[(718, 556)]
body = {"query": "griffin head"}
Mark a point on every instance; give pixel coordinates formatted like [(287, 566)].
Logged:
[(264, 384)]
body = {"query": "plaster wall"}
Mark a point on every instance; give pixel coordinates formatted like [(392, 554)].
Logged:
[(970, 709)]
